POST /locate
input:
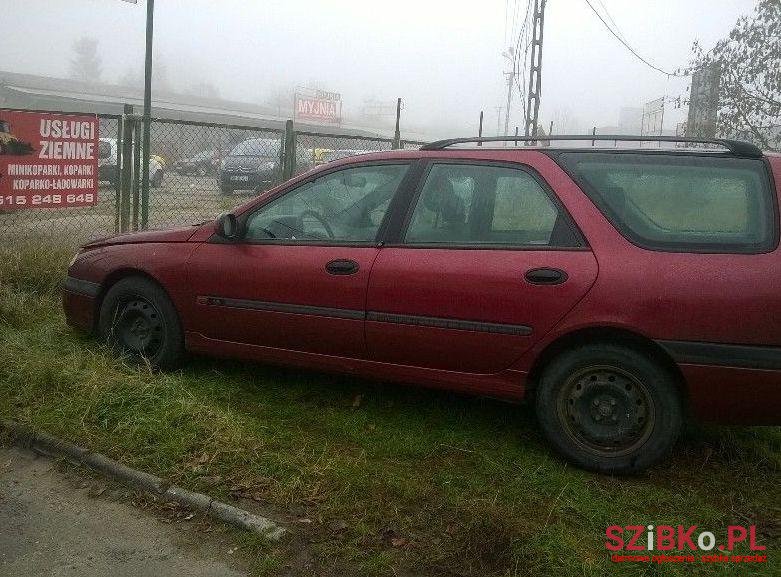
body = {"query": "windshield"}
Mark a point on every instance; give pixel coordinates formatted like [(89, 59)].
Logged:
[(257, 147)]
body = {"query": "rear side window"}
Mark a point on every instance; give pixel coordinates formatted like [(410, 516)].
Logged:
[(473, 205), (681, 203)]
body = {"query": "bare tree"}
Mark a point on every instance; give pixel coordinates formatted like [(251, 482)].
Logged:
[(86, 64), (749, 61), (134, 77)]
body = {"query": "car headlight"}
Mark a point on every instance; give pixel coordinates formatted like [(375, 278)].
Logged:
[(270, 165)]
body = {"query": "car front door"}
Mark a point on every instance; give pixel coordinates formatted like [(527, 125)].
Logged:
[(297, 279), (486, 262)]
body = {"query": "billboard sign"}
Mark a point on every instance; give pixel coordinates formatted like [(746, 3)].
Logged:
[(652, 123), (318, 106), (48, 160), (704, 102)]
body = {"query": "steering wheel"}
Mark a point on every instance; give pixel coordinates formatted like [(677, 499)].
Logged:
[(319, 218)]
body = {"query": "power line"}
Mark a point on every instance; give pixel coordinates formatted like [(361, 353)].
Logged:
[(612, 20), (628, 47)]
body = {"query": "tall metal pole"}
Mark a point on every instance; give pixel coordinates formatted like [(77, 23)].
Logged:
[(480, 129), (150, 11), (535, 70), (397, 133), (510, 80)]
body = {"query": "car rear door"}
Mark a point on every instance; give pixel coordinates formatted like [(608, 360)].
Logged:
[(484, 263), (298, 278)]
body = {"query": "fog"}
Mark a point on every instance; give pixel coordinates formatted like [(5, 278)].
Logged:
[(443, 58)]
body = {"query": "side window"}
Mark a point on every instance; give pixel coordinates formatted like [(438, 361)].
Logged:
[(681, 202), (465, 204), (348, 205)]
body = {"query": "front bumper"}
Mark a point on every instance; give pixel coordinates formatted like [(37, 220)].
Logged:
[(79, 301), (248, 180)]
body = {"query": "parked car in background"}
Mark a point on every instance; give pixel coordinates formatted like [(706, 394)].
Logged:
[(618, 289), (109, 171), (332, 155), (253, 164), (202, 164)]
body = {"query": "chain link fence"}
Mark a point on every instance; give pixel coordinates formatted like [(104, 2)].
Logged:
[(313, 149), (208, 169), (196, 171)]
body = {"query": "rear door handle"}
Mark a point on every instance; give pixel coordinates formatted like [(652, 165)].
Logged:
[(342, 266), (545, 276)]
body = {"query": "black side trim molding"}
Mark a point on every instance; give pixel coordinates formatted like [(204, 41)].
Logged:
[(435, 322), (445, 323), (284, 308), (83, 287), (746, 356)]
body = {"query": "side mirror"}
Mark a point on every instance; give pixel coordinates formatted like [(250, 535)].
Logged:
[(228, 226)]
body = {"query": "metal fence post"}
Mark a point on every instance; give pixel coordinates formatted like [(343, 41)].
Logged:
[(289, 152), (117, 178), (126, 175), (137, 176)]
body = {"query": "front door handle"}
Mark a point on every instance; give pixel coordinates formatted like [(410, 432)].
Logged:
[(342, 266), (545, 276)]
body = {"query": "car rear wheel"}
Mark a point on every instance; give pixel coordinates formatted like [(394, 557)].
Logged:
[(609, 409), (138, 318)]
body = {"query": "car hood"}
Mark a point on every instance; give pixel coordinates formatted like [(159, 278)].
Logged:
[(181, 234), (247, 162)]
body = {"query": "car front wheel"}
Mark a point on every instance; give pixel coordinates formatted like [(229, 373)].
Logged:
[(138, 318), (609, 408)]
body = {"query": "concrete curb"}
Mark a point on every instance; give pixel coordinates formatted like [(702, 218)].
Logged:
[(53, 446)]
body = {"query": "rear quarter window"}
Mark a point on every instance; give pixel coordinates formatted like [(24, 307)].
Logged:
[(682, 203)]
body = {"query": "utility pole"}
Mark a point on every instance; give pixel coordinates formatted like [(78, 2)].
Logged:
[(535, 70), (480, 129), (397, 132), (509, 54), (498, 119)]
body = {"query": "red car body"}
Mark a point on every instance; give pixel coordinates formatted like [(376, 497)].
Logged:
[(713, 318)]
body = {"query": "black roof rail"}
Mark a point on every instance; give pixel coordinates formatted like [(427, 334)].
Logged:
[(736, 147)]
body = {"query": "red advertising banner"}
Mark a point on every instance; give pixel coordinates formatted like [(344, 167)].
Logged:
[(48, 160)]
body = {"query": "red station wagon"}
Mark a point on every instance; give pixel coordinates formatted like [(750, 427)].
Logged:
[(619, 288)]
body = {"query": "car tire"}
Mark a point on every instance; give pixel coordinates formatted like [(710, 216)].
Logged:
[(608, 408), (157, 179), (137, 318), (226, 190)]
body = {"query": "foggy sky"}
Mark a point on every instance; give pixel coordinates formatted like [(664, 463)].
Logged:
[(443, 57)]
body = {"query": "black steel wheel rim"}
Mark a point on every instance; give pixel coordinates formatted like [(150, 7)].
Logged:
[(606, 410), (138, 326)]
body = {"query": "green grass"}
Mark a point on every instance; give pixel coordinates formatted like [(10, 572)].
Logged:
[(408, 482)]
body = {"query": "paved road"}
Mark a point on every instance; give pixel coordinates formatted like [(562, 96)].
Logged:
[(51, 526)]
